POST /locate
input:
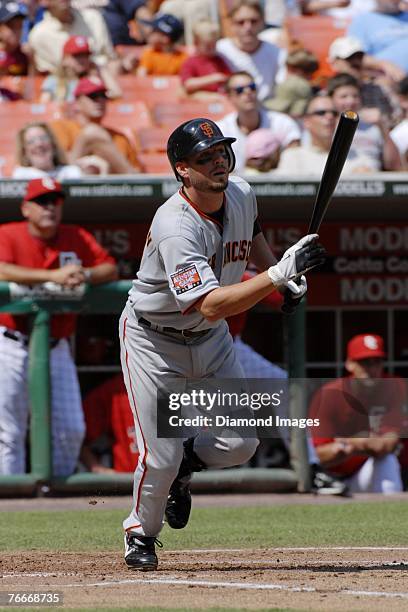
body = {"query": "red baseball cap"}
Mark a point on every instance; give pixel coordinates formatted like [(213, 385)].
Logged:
[(76, 45), (41, 186), (88, 86), (365, 346)]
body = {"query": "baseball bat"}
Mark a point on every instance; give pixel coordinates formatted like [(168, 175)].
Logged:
[(336, 158)]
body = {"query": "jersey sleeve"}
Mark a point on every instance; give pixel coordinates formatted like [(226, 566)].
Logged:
[(188, 272)]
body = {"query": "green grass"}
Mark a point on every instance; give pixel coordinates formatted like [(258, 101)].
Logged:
[(354, 524)]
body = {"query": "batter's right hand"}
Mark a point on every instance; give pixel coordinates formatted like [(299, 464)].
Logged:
[(298, 259)]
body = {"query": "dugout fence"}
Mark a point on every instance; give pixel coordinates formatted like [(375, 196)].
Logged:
[(110, 298)]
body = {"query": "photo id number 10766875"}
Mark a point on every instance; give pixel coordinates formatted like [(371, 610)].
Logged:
[(22, 598)]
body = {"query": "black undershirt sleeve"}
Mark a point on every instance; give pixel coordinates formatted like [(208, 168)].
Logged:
[(257, 228)]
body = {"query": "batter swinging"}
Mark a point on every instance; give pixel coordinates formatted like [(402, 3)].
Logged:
[(196, 252)]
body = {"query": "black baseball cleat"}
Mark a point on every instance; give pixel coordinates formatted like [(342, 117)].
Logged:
[(140, 552), (178, 506), (326, 484)]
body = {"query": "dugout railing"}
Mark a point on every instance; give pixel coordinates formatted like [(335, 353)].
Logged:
[(109, 299)]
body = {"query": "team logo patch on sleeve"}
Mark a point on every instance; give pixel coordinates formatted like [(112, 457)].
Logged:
[(186, 279)]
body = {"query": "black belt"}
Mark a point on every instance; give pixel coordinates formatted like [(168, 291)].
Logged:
[(17, 337), (182, 333)]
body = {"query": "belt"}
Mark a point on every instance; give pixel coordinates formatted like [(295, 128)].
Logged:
[(181, 333), (19, 337)]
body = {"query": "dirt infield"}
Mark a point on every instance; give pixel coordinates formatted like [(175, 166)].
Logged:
[(325, 578), (321, 579)]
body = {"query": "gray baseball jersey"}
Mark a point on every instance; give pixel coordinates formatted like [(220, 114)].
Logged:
[(188, 254)]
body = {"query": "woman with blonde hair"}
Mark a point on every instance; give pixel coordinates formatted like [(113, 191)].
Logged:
[(39, 155)]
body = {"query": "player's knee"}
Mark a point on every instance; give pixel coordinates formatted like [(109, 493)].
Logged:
[(241, 450)]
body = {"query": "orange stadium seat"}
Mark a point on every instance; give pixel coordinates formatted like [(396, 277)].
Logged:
[(155, 163), (29, 87), (152, 139), (150, 89), (13, 117), (172, 114), (128, 117), (316, 33)]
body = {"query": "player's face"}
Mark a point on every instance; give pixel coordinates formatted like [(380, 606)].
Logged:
[(208, 171), (367, 369), (44, 215)]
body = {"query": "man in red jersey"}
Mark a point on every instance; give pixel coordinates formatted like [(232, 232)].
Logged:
[(110, 429), (41, 251), (360, 418)]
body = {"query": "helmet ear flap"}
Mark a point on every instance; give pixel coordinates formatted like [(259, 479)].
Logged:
[(231, 158)]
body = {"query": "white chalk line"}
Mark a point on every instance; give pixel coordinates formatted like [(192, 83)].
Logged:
[(232, 585), (228, 585), (293, 549)]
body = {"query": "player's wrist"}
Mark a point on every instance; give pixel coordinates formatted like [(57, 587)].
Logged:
[(276, 276)]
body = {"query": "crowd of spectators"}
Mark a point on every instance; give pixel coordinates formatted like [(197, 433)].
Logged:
[(210, 47)]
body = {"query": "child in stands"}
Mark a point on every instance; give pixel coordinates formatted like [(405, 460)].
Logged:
[(163, 57)]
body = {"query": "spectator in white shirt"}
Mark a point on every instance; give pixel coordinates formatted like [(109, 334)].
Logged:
[(246, 51), (250, 115), (400, 132), (320, 122)]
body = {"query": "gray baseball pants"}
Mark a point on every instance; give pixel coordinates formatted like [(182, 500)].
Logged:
[(147, 356)]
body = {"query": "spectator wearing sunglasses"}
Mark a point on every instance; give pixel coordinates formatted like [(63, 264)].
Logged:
[(87, 135), (245, 51), (372, 137), (250, 115), (35, 251), (320, 121), (39, 155)]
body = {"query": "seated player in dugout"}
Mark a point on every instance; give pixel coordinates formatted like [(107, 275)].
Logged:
[(198, 246), (361, 417), (110, 441)]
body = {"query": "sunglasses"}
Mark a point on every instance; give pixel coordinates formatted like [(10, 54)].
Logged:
[(97, 95), (49, 198), (322, 112), (241, 22), (241, 88)]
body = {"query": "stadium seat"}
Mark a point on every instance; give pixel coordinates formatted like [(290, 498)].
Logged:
[(13, 117), (171, 115), (128, 118), (155, 163), (29, 87), (152, 139), (316, 33), (150, 89)]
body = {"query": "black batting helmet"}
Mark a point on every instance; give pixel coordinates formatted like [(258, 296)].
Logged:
[(195, 136)]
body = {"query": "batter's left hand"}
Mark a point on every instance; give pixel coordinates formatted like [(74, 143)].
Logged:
[(292, 300)]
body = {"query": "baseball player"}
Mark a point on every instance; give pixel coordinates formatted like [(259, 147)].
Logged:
[(360, 420), (32, 252), (110, 429), (198, 246)]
